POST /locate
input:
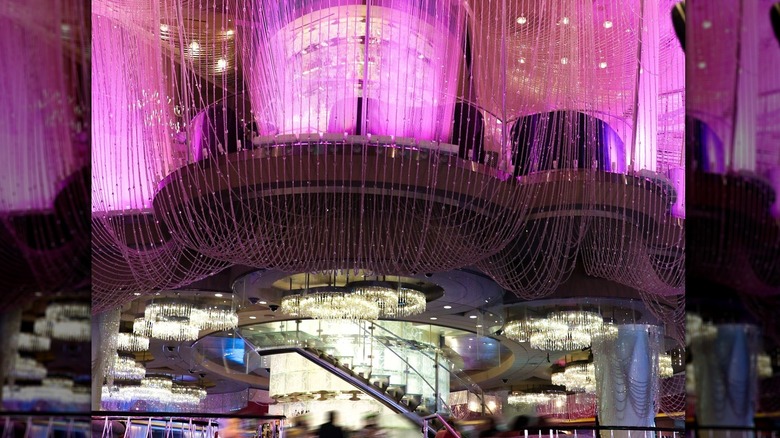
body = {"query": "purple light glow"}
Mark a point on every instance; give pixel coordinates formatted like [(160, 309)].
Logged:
[(309, 72), (35, 125), (130, 130)]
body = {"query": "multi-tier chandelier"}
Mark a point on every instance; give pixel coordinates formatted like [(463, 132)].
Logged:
[(155, 389), (178, 319), (65, 321), (131, 342), (126, 368), (559, 331), (536, 398), (360, 300), (577, 377)]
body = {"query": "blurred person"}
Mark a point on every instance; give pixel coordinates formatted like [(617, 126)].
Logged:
[(330, 429), (300, 429), (490, 429), (371, 429)]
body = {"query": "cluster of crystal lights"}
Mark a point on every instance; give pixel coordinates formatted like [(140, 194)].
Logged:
[(131, 342), (156, 389), (126, 368), (355, 301), (65, 321), (537, 398), (179, 320), (577, 377), (560, 330), (665, 369)]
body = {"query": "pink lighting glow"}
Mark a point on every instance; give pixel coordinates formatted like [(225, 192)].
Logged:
[(36, 121), (131, 133), (309, 75)]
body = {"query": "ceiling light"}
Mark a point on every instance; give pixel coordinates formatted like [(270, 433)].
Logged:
[(564, 60), (164, 28), (665, 369), (706, 24), (603, 64), (263, 302), (218, 295), (607, 24), (229, 32), (195, 45), (330, 303), (433, 318), (479, 325), (221, 65), (393, 301), (473, 316), (565, 20), (126, 368), (252, 317), (138, 294), (448, 307), (577, 377), (521, 20), (131, 342), (522, 60)]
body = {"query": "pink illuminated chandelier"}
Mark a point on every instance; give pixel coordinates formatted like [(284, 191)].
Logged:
[(397, 136)]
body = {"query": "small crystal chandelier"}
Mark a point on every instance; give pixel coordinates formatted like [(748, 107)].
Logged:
[(126, 368), (65, 321), (31, 342), (665, 369), (26, 368), (166, 330), (536, 398), (577, 377), (219, 318), (187, 395), (132, 342), (330, 303), (559, 331), (393, 302)]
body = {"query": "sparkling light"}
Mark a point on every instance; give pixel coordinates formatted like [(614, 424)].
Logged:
[(126, 368), (32, 342), (607, 24), (665, 366), (577, 377), (394, 302), (603, 64), (331, 303), (521, 20), (534, 398), (131, 342), (220, 318)]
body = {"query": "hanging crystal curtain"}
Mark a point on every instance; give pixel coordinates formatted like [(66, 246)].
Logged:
[(733, 116), (352, 107), (43, 228), (134, 149), (401, 136)]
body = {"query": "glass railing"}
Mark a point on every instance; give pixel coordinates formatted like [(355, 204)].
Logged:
[(398, 357)]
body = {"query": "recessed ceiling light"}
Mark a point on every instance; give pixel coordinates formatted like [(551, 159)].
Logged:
[(263, 302), (602, 65), (521, 20), (221, 64), (473, 316), (138, 294), (218, 295), (433, 318), (607, 24), (252, 317), (448, 307), (479, 325), (251, 328)]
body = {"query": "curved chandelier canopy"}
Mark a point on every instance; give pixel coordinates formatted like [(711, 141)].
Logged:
[(179, 318)]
